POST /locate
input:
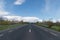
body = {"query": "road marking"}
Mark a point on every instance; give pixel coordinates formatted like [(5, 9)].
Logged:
[(29, 30), (1, 35), (53, 34), (10, 30)]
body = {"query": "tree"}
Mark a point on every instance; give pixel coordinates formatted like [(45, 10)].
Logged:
[(1, 20), (49, 23), (57, 23)]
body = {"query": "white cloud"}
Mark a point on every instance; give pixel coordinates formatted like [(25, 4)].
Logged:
[(25, 19), (6, 14), (19, 2), (54, 21), (51, 6), (15, 18), (2, 13), (2, 10), (51, 9), (40, 20), (47, 5), (30, 19), (2, 4)]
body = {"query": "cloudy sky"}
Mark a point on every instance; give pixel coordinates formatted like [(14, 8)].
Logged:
[(38, 9)]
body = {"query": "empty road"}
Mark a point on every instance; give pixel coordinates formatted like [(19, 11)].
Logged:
[(28, 32)]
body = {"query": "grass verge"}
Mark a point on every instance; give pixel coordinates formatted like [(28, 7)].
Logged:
[(56, 28), (3, 27)]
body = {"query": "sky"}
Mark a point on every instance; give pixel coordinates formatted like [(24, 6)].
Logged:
[(37, 9)]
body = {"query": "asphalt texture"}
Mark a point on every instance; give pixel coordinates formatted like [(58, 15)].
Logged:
[(28, 32)]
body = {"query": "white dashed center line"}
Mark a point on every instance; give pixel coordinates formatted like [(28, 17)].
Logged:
[(10, 30), (29, 30), (1, 35)]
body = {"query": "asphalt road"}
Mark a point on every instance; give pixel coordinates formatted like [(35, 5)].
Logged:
[(28, 32)]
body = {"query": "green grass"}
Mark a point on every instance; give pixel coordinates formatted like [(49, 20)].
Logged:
[(3, 27), (57, 28)]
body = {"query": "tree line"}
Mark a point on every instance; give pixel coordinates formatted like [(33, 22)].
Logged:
[(48, 23), (7, 22)]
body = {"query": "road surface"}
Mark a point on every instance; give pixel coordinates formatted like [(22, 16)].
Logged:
[(28, 32)]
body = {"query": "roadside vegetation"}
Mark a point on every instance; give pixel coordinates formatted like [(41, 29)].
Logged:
[(6, 24), (49, 24)]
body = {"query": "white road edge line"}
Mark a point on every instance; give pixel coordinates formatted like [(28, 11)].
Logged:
[(10, 30), (53, 34), (29, 30)]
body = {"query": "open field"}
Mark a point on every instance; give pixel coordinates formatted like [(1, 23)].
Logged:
[(54, 27), (57, 28), (3, 27)]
